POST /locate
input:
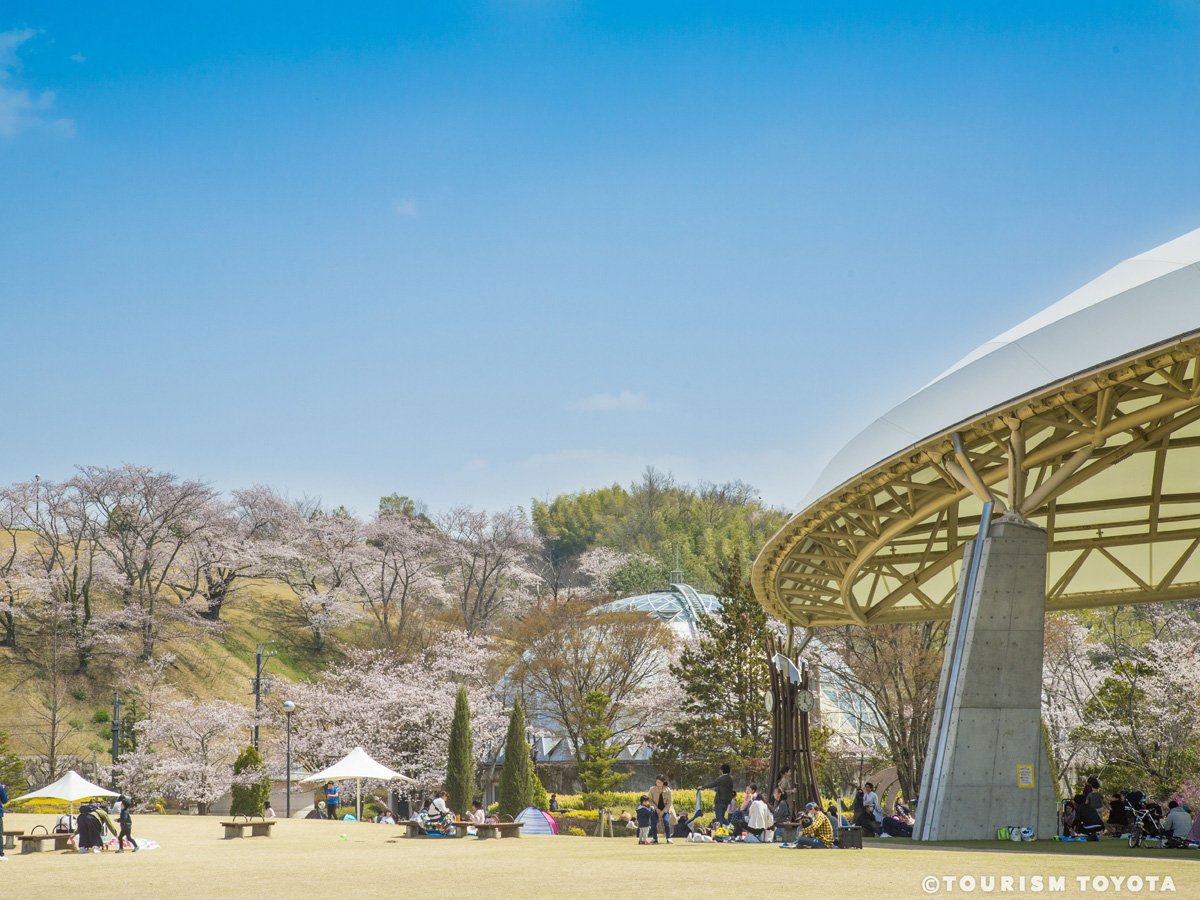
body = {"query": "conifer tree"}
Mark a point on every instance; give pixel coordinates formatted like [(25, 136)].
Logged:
[(723, 677), (599, 750), (249, 797), (12, 769), (460, 764), (516, 777)]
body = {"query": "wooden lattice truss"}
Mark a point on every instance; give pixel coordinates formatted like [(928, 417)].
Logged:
[(1107, 462)]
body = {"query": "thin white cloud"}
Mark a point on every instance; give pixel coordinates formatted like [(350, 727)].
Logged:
[(626, 401), (19, 108), (78, 57), (407, 208), (476, 465)]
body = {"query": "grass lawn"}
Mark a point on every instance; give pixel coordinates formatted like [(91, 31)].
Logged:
[(307, 859)]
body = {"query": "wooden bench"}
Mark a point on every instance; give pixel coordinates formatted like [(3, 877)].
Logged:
[(235, 829), (413, 829), (35, 843), (501, 830), (10, 839)]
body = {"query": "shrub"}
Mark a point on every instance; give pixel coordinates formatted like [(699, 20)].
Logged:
[(573, 830), (540, 798)]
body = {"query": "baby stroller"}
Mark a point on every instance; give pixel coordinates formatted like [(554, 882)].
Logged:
[(1146, 820)]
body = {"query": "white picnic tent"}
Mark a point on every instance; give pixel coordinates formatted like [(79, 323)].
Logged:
[(357, 765), (72, 788)]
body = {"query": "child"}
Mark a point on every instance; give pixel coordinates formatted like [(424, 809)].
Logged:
[(125, 820), (644, 813)]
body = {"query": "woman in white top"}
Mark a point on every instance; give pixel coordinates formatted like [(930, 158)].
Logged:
[(759, 817)]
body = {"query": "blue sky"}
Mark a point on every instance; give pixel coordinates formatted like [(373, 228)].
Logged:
[(486, 252)]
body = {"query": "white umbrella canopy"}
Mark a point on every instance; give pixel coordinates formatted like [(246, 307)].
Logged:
[(357, 765), (72, 787)]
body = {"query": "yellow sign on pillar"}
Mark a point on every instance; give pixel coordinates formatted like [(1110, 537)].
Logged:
[(1025, 776)]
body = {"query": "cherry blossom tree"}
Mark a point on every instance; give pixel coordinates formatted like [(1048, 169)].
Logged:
[(228, 553), (490, 564), (77, 576), (314, 554), (1142, 715), (399, 713), (11, 567), (396, 575), (1069, 682), (597, 566), (186, 751), (142, 520)]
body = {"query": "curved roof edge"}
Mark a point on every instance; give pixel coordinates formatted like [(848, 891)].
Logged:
[(1143, 302)]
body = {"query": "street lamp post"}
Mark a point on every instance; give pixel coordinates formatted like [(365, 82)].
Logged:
[(289, 707)]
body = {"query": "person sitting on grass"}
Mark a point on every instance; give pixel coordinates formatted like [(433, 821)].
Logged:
[(268, 810), (683, 827), (1085, 821), (738, 818), (1178, 822), (816, 835), (758, 819)]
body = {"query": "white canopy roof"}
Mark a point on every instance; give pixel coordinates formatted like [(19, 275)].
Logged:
[(1142, 302), (357, 764), (72, 788)]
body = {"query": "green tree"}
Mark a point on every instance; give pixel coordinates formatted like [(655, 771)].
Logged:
[(538, 790), (460, 765), (640, 575), (516, 776), (724, 677), (249, 797), (698, 525), (599, 752), (12, 769)]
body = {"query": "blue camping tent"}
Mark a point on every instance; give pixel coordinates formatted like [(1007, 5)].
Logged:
[(536, 821)]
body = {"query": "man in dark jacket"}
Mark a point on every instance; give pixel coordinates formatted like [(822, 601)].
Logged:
[(723, 786)]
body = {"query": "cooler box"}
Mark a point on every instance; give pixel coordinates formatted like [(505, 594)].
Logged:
[(850, 836)]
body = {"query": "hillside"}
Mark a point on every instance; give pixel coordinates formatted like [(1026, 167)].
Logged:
[(218, 666)]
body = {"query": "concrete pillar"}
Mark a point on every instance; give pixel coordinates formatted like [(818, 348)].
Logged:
[(986, 741)]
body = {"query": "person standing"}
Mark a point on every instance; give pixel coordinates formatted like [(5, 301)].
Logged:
[(723, 786), (331, 800), (125, 821), (645, 816), (3, 800), (787, 785), (662, 802)]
